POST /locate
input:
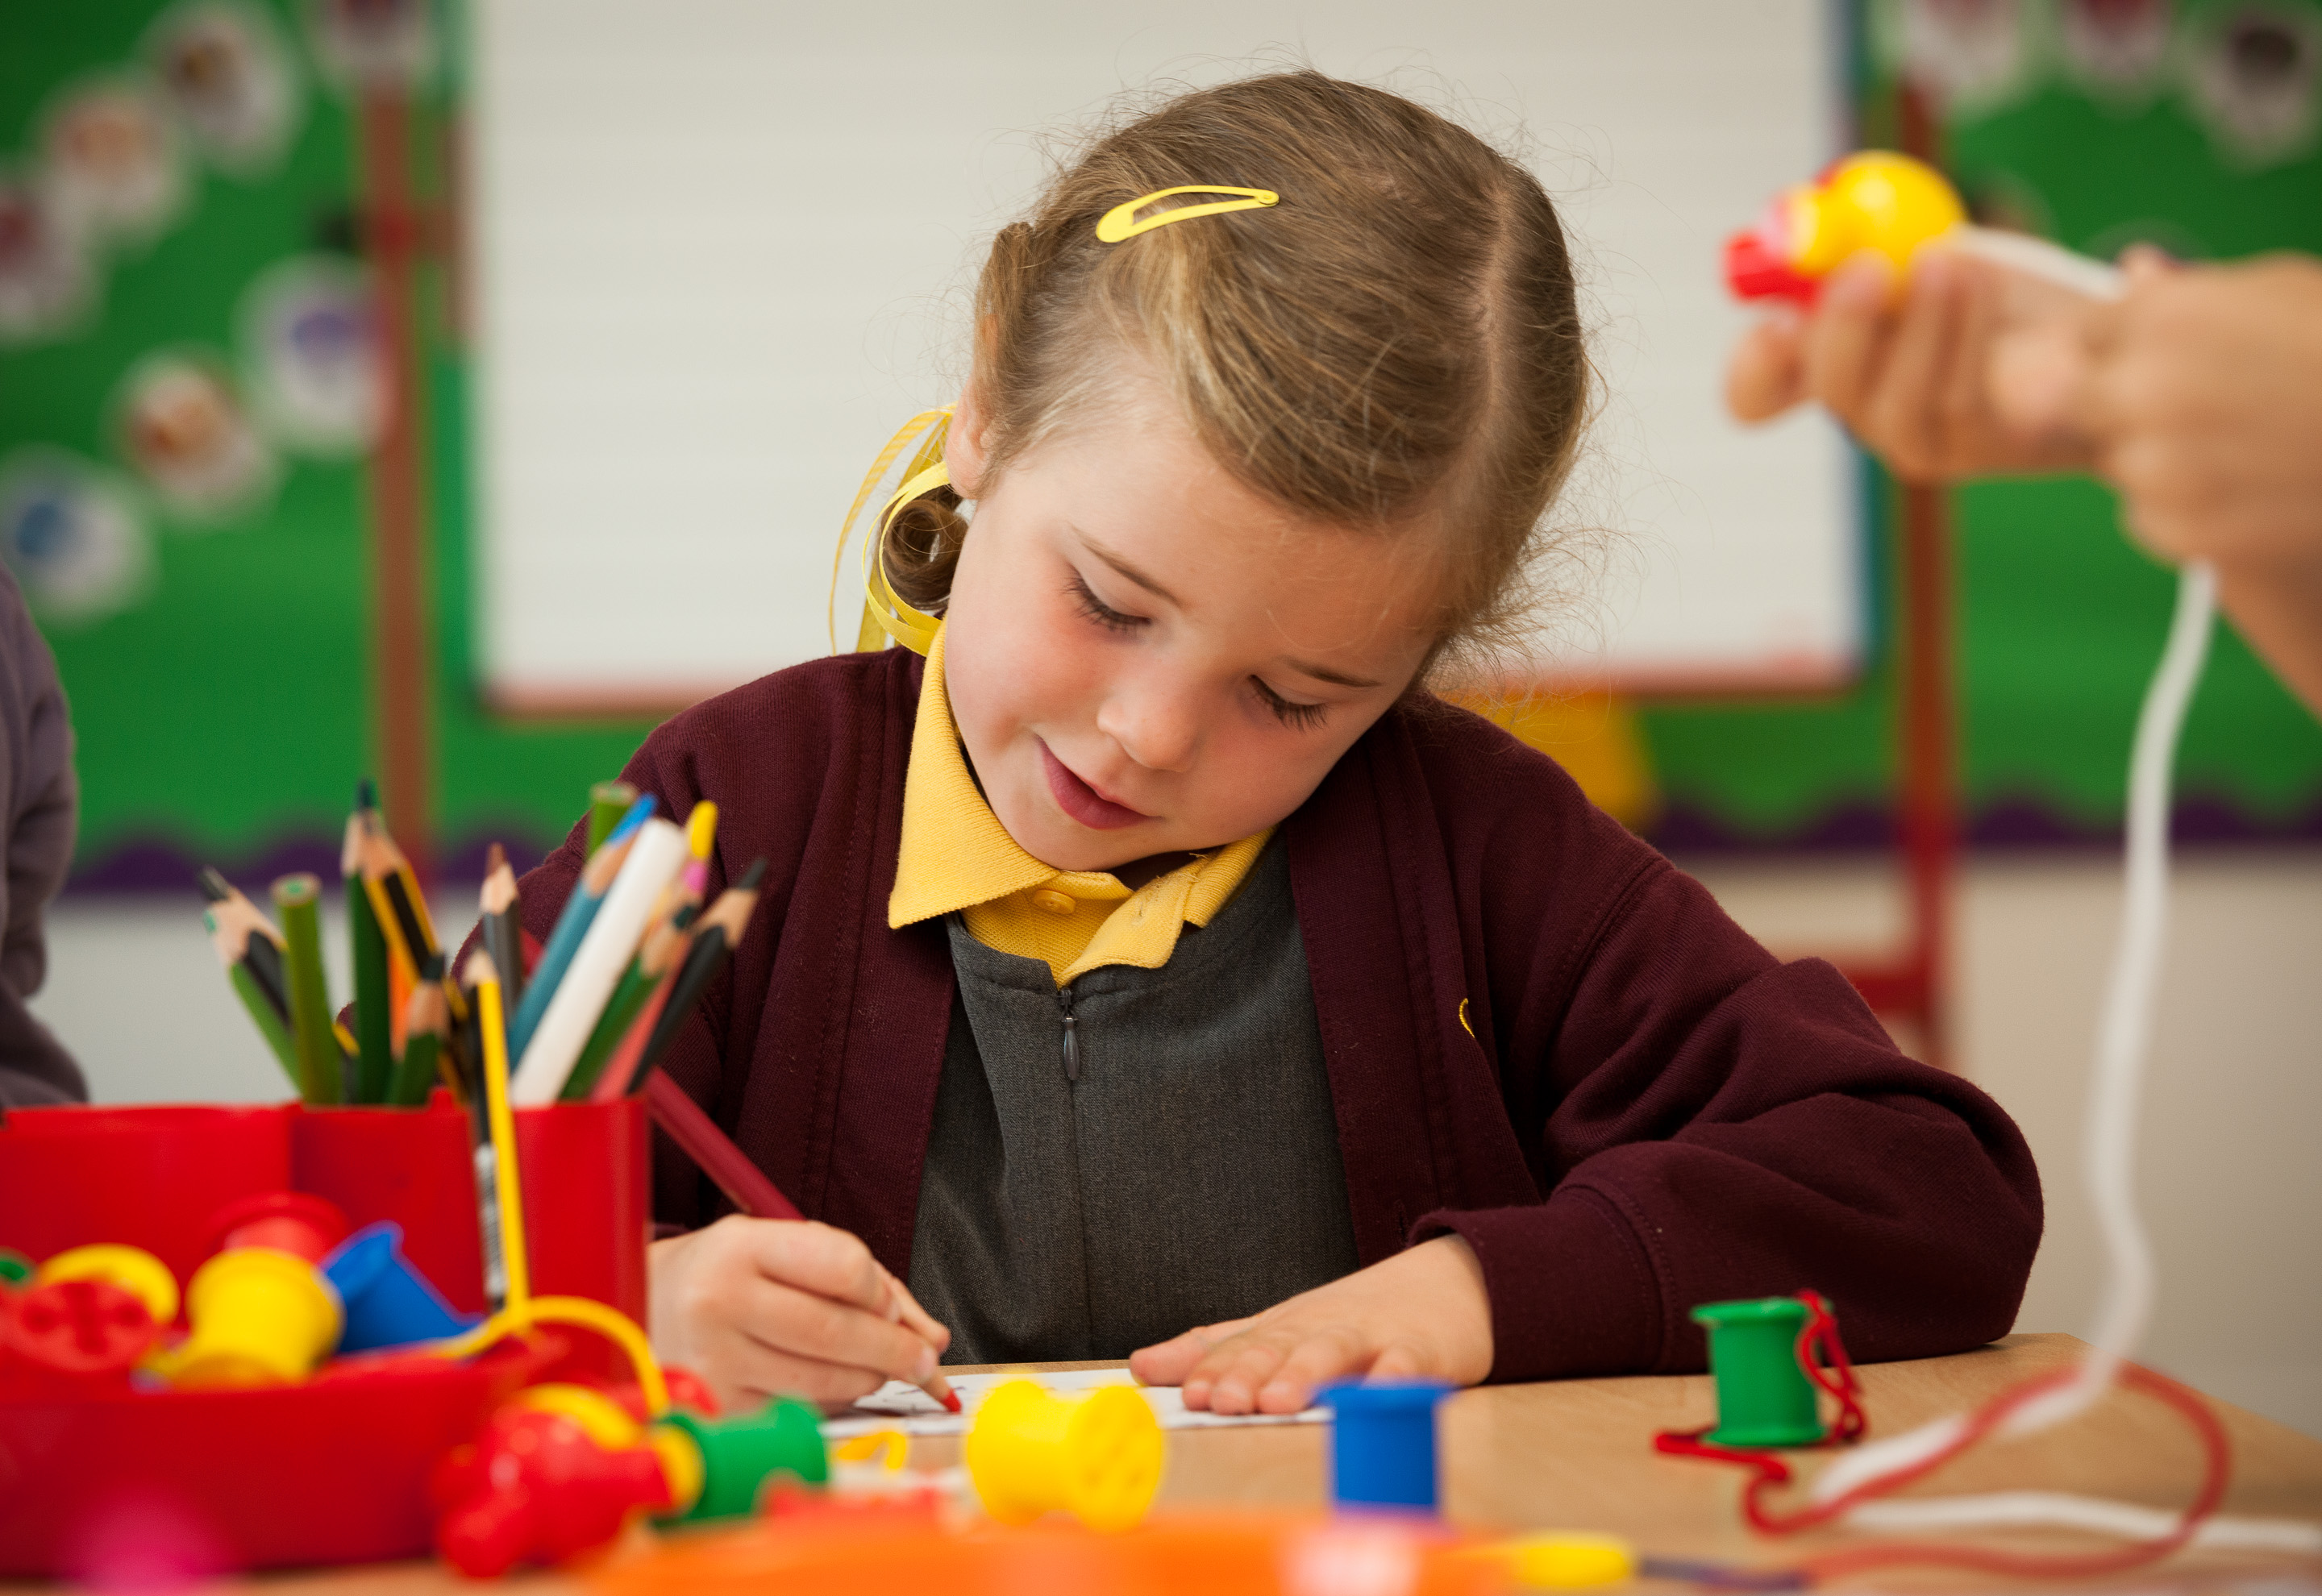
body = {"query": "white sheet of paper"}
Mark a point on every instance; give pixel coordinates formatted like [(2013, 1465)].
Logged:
[(896, 1406)]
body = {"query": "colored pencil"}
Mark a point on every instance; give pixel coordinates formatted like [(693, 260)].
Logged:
[(648, 972), (264, 950), (425, 1018), (610, 803), (621, 1069), (619, 924), (374, 1014), (267, 1009), (503, 931), (729, 1169), (406, 902), (320, 1061), (572, 926), (715, 935), (701, 830), (506, 1188)]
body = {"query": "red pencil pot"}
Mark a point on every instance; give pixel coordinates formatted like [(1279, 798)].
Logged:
[(151, 1175), (586, 1181)]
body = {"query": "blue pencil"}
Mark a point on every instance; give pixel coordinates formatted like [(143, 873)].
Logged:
[(572, 925)]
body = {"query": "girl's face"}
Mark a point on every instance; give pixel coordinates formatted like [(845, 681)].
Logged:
[(1144, 657)]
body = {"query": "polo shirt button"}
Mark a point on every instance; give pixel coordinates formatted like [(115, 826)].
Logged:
[(1049, 901)]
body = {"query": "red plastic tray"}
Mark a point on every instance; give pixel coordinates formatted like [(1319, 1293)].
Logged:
[(335, 1470), (148, 1490)]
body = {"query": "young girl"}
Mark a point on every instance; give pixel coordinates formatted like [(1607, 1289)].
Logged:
[(1155, 967)]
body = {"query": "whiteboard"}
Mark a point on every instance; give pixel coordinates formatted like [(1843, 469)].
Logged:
[(723, 248)]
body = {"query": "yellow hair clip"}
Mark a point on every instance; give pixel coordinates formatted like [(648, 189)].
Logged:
[(1115, 225)]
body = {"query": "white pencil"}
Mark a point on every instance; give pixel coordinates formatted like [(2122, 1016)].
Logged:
[(658, 853)]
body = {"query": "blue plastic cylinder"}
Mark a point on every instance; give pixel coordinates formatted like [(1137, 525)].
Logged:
[(389, 1303), (1383, 1442)]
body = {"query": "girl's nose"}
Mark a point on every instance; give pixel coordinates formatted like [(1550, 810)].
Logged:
[(1157, 726)]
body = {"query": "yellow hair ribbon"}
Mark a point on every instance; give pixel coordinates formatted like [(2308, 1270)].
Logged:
[(1114, 226), (884, 610)]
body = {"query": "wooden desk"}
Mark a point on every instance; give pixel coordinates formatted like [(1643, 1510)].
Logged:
[(1578, 1455)]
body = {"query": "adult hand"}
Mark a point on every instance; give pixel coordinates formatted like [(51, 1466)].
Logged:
[(1909, 368), (1421, 1312), (767, 1307), (2203, 390)]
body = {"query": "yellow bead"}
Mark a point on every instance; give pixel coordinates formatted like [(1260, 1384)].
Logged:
[(1874, 200), (133, 1268)]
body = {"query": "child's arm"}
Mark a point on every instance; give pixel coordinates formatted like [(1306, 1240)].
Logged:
[(764, 1308)]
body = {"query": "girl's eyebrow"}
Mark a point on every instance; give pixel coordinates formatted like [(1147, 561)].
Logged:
[(1126, 570), (1324, 673)]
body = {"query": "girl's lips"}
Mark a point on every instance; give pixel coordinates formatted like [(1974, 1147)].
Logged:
[(1082, 802)]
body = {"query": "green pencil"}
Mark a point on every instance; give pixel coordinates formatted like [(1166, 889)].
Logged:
[(231, 934), (607, 802), (628, 997), (374, 1025), (320, 1063), (425, 1018)]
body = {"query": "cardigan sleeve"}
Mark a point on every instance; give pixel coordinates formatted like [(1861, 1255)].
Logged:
[(1709, 1123)]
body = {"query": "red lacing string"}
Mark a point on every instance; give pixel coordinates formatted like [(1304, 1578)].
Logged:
[(1770, 1472)]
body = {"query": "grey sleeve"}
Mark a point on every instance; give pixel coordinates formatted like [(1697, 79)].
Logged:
[(40, 798)]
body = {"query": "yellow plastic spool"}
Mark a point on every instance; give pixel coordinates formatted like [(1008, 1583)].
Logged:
[(1876, 200), (260, 1317), (1097, 1456), (133, 1268)]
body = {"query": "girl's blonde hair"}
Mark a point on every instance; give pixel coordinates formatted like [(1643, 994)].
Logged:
[(1395, 341)]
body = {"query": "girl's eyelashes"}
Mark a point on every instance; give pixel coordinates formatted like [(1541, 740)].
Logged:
[(1096, 609), (1301, 716)]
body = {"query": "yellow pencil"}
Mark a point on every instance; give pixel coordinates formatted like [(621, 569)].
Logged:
[(494, 1025)]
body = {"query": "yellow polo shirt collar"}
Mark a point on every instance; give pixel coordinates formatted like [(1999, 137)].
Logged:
[(956, 855)]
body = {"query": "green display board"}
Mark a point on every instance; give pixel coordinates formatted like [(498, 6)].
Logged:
[(224, 690)]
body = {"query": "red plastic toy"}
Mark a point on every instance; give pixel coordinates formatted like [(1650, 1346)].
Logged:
[(73, 1337), (555, 1473)]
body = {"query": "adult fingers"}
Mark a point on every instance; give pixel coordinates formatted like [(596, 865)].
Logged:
[(1846, 339), (1964, 424), (1766, 372), (1902, 414)]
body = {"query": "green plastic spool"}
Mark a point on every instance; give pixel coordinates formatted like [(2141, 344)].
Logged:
[(740, 1454), (1764, 1397)]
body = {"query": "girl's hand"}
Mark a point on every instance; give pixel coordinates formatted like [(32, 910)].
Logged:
[(1912, 376), (1422, 1311), (767, 1307)]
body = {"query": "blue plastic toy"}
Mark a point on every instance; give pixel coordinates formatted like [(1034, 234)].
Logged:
[(389, 1303), (1383, 1442)]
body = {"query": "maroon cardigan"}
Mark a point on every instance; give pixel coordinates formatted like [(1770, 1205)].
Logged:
[(1651, 1112)]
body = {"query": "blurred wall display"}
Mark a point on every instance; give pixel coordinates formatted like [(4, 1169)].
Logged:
[(247, 252), (192, 379)]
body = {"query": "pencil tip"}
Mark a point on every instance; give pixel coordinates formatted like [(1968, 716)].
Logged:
[(215, 887), (495, 859), (432, 968), (366, 794), (753, 877), (951, 1401)]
